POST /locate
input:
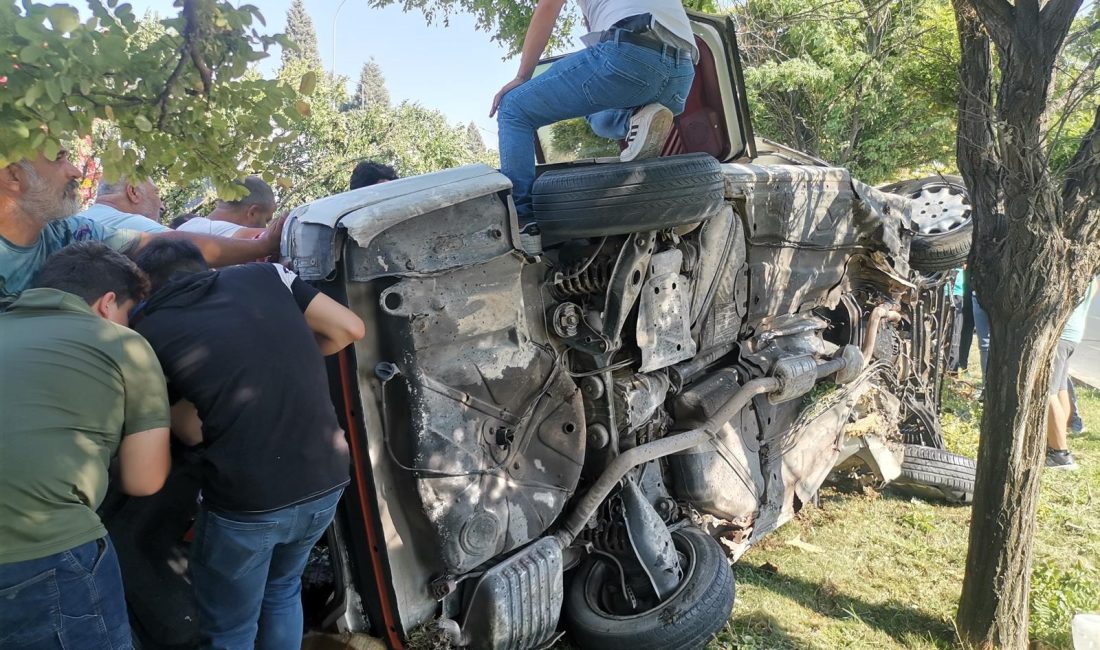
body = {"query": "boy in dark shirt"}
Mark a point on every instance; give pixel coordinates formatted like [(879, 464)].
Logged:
[(242, 350)]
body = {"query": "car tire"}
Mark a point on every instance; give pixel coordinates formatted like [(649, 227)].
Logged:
[(621, 198), (943, 222), (938, 474), (688, 618)]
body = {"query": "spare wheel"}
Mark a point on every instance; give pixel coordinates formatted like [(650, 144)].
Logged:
[(598, 617), (622, 198)]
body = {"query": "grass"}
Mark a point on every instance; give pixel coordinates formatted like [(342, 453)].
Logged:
[(889, 571)]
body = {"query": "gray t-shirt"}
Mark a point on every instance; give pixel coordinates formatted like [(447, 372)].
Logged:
[(108, 216)]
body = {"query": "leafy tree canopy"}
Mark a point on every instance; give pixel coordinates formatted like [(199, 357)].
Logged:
[(178, 93)]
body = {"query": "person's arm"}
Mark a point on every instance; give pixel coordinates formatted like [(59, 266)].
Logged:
[(225, 251), (534, 44), (334, 325), (143, 455), (143, 462), (248, 233), (186, 424)]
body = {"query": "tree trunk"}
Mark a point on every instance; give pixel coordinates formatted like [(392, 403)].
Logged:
[(1025, 276)]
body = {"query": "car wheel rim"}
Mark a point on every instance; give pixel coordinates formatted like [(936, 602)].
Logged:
[(601, 587), (940, 208)]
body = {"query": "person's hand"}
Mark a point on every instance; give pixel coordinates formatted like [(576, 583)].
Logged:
[(508, 87), (273, 235)]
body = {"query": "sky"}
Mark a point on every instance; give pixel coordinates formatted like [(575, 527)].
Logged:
[(455, 69)]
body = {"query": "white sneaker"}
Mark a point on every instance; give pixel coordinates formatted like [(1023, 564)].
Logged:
[(649, 128)]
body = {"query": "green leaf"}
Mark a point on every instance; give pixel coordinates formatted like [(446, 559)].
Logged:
[(63, 18), (32, 94), (308, 83), (31, 53), (143, 123), (53, 89), (29, 29), (302, 108), (51, 148)]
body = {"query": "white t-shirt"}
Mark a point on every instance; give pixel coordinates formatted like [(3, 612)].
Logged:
[(669, 14), (205, 226), (114, 218)]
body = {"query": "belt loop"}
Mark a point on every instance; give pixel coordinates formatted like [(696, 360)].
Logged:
[(618, 36)]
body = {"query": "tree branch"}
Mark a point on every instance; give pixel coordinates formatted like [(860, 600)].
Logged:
[(1056, 17), (1081, 192), (998, 17)]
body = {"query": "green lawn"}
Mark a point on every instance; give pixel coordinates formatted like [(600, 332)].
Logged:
[(889, 568)]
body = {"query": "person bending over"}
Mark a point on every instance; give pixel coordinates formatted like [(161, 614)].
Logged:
[(77, 388), (243, 352)]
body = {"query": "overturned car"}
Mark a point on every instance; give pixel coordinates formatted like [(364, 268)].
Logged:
[(554, 423)]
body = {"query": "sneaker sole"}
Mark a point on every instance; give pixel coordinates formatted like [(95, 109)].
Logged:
[(1064, 468), (651, 147)]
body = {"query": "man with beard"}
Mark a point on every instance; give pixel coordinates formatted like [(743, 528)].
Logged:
[(37, 200)]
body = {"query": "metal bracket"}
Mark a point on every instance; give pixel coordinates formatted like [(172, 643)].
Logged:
[(626, 284), (651, 540)]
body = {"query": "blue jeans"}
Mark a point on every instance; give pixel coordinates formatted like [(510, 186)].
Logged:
[(72, 599), (981, 324), (605, 83), (246, 569)]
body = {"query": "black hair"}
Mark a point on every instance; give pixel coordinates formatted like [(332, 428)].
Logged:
[(369, 173), (164, 259), (181, 219), (259, 193), (90, 269)]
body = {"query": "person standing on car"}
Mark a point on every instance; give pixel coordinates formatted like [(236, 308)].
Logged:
[(629, 82), (76, 387), (242, 349)]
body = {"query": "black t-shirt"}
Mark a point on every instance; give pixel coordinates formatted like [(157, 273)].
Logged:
[(234, 342)]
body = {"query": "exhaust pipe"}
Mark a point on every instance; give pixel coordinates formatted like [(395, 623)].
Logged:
[(848, 362)]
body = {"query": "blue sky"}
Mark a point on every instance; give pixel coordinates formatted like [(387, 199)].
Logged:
[(455, 69)]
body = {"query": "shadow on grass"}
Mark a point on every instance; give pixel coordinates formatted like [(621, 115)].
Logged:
[(901, 621), (755, 631)]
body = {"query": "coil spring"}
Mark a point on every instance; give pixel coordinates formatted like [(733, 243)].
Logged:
[(577, 281), (611, 538)]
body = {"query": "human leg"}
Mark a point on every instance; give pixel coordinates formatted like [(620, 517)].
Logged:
[(967, 336), (229, 565), (72, 599), (981, 325), (1076, 425), (1058, 456), (281, 615), (956, 334), (611, 75)]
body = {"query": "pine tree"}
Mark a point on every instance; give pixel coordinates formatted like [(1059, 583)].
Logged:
[(474, 140), (371, 91), (299, 29)]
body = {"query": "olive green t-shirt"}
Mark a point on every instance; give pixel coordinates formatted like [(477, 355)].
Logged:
[(72, 385)]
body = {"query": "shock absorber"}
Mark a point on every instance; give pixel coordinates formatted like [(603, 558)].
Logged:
[(579, 280)]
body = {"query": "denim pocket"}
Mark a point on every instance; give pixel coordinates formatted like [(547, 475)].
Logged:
[(320, 521), (622, 79), (86, 557), (86, 631), (232, 547), (30, 614)]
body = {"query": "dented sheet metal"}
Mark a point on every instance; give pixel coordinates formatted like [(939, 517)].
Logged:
[(310, 237)]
